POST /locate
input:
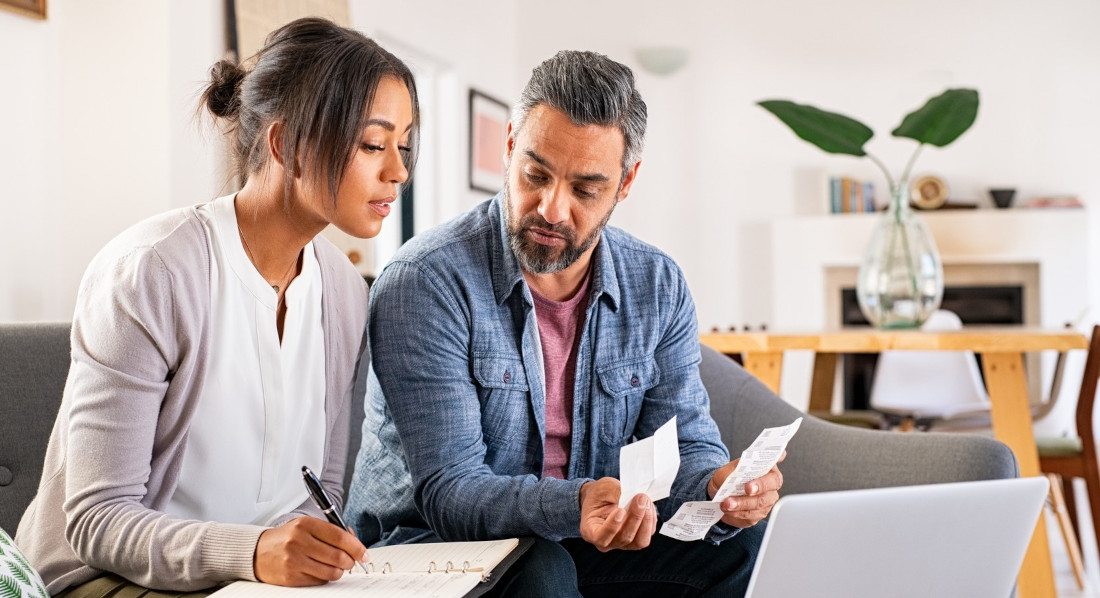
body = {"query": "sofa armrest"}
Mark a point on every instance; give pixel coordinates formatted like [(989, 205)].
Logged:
[(824, 456)]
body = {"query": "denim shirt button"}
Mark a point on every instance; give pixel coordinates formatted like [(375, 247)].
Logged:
[(633, 380), (507, 377)]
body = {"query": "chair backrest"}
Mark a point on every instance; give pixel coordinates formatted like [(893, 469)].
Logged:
[(1086, 398), (936, 384), (34, 362)]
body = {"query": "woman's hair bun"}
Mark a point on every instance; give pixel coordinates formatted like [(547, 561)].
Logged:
[(222, 96)]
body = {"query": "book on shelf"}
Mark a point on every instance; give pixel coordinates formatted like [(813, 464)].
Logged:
[(868, 196), (850, 196), (835, 195)]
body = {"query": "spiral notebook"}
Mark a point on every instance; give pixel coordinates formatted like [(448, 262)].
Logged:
[(429, 570)]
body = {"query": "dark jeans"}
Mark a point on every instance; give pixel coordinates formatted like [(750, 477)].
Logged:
[(666, 569)]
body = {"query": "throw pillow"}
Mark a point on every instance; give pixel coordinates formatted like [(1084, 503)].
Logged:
[(17, 578)]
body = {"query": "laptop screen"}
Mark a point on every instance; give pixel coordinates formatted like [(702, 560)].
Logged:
[(960, 539)]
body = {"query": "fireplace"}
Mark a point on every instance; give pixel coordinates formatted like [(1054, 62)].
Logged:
[(1044, 252), (981, 295), (976, 305)]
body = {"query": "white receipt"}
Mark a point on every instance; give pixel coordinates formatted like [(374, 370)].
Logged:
[(649, 465), (694, 519)]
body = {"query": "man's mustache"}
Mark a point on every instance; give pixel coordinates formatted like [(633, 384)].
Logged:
[(535, 221)]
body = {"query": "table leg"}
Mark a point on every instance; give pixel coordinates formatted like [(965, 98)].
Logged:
[(1004, 376), (821, 388), (767, 367)]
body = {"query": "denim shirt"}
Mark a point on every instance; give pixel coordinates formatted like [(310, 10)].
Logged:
[(455, 410)]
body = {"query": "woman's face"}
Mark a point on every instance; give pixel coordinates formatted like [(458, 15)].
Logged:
[(369, 186)]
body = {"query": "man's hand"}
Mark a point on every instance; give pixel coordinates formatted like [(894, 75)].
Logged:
[(761, 495), (606, 526), (306, 551)]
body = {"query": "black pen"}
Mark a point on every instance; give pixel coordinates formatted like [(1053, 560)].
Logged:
[(323, 502)]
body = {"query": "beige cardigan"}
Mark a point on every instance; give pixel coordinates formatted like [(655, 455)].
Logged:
[(139, 354)]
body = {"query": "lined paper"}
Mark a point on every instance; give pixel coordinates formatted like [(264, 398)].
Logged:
[(407, 573)]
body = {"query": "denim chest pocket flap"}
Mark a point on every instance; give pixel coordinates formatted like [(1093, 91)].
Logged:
[(503, 395), (498, 371), (629, 377), (625, 383)]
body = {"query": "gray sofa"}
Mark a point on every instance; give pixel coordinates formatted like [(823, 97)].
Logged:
[(34, 361)]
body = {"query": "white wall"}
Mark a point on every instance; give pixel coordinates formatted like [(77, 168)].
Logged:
[(451, 47), (717, 168), (471, 44), (97, 133)]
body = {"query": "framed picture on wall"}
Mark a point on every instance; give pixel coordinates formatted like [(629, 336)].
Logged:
[(31, 8), (488, 128)]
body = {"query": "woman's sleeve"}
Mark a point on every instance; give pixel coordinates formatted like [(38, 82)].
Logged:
[(129, 339)]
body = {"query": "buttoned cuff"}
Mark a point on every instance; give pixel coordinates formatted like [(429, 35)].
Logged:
[(560, 509)]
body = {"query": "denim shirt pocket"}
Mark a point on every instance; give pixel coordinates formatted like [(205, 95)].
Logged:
[(625, 384), (503, 392)]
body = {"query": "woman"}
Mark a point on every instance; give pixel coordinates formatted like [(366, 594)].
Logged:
[(215, 347)]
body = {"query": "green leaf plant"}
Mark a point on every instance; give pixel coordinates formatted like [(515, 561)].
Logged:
[(939, 122)]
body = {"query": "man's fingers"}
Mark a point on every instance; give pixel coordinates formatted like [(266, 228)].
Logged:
[(744, 504), (647, 529), (605, 534), (637, 510), (769, 482)]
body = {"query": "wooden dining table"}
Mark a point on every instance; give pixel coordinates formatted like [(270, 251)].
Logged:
[(1002, 353)]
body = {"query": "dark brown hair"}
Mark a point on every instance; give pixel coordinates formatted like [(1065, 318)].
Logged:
[(319, 79)]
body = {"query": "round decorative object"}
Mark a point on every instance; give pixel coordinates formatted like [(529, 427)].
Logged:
[(928, 192)]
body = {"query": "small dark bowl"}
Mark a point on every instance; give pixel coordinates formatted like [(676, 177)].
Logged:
[(1002, 198)]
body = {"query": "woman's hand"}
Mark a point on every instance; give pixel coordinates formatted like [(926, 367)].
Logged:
[(306, 551)]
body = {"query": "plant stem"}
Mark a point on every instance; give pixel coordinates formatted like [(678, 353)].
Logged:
[(912, 160), (909, 263), (882, 167)]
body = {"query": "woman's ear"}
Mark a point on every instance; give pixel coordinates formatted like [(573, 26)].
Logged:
[(275, 141)]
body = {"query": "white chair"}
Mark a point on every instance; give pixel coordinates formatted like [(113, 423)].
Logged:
[(920, 388)]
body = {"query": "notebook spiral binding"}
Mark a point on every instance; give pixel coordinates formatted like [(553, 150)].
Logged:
[(432, 568)]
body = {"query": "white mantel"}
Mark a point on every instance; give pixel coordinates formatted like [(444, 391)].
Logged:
[(1055, 240)]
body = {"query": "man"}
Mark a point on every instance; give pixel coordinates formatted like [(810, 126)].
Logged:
[(518, 347)]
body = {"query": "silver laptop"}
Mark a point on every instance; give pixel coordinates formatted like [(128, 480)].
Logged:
[(963, 539)]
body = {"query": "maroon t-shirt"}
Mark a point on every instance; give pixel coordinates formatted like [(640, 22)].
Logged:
[(560, 323)]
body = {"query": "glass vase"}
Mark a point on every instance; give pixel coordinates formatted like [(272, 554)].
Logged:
[(901, 277)]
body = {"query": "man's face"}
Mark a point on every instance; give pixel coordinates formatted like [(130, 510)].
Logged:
[(563, 182)]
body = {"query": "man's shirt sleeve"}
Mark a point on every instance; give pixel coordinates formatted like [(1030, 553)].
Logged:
[(420, 342)]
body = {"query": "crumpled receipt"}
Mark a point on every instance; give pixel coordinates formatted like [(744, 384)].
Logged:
[(694, 519), (648, 466)]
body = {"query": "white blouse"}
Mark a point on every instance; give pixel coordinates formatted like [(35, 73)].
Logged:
[(262, 413)]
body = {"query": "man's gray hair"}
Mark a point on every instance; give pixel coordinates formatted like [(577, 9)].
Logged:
[(591, 89)]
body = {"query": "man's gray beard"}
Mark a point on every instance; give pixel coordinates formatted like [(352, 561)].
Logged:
[(536, 258)]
